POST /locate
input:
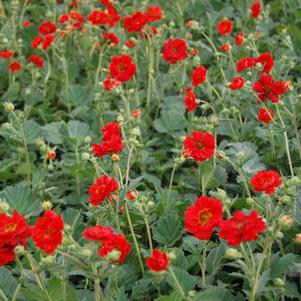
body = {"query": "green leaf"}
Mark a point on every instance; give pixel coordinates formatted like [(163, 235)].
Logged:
[(8, 283), (171, 122), (56, 293), (173, 297), (32, 131), (167, 230), (214, 259), (52, 132), (215, 293), (21, 198), (79, 95), (76, 131), (280, 265), (187, 281), (12, 93)]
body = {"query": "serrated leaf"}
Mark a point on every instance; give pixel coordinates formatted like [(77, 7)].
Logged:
[(56, 293), (8, 283), (21, 198), (187, 281), (167, 230), (279, 266), (51, 132), (32, 131)]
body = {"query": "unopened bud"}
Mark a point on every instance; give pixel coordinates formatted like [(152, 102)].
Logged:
[(298, 238), (294, 181), (88, 140), (286, 221), (214, 120), (171, 256), (136, 131), (48, 260), (46, 205), (4, 207), (20, 250), (113, 256), (115, 157), (232, 254), (278, 282), (9, 107), (85, 156), (86, 253)]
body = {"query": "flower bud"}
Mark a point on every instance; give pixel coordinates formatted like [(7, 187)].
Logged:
[(6, 125), (88, 140), (85, 156), (179, 160), (113, 256), (50, 167), (284, 199), (136, 113), (240, 155), (278, 282), (48, 260), (115, 157), (294, 181), (298, 238), (8, 107), (221, 194), (214, 120), (46, 205), (51, 154), (67, 227), (27, 91), (279, 235), (171, 256), (86, 253), (150, 204), (192, 294), (67, 241), (250, 201), (286, 221), (4, 207), (40, 143), (20, 250), (232, 254), (120, 119), (135, 131)]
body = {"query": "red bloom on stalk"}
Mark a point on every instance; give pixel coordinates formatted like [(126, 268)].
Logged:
[(75, 20), (37, 60), (26, 23), (6, 54), (201, 218), (112, 16), (265, 115), (98, 233), (241, 228), (110, 38), (51, 155), (255, 9), (174, 50), (266, 181), (245, 63), (237, 83), (130, 43), (267, 88), (35, 43), (111, 140), (190, 101), (224, 27), (198, 75), (48, 41), (267, 62), (47, 232), (154, 13), (135, 22), (110, 83), (132, 194), (239, 39), (102, 189), (122, 68), (106, 3), (200, 146), (97, 17), (15, 67), (14, 231), (47, 28), (158, 261), (225, 47), (116, 242)]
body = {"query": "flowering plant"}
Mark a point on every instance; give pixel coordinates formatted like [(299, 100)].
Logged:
[(150, 152)]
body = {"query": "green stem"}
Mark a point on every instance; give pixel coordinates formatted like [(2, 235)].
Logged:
[(19, 286), (171, 181), (178, 285), (150, 74), (134, 238), (3, 295), (97, 288), (148, 231), (286, 141), (203, 267), (78, 184)]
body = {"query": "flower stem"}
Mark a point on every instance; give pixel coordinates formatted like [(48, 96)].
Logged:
[(97, 288), (178, 285), (148, 230), (203, 267), (171, 181)]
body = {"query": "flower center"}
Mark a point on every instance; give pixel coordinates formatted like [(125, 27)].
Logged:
[(122, 67), (174, 50), (239, 226), (204, 216), (199, 145), (10, 228)]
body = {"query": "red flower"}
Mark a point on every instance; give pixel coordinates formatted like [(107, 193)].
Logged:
[(131, 195), (122, 68), (267, 88), (130, 43), (102, 189), (154, 13), (110, 83), (98, 233), (158, 261), (198, 75), (190, 101), (266, 181), (239, 39), (200, 146), (201, 218), (237, 83), (75, 20), (224, 27), (174, 50), (267, 62), (225, 47), (265, 115), (110, 38), (112, 17), (194, 52), (255, 9), (37, 60), (111, 140), (135, 22), (136, 113), (48, 41), (245, 63), (15, 67), (47, 28), (14, 231), (35, 43), (240, 228), (51, 155), (6, 54), (116, 242), (47, 232), (26, 23), (98, 17), (106, 3)]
